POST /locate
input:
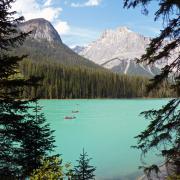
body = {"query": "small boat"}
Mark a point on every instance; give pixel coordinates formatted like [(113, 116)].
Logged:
[(69, 117), (75, 111)]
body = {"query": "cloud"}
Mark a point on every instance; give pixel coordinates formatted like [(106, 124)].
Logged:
[(47, 2), (89, 3), (62, 27), (71, 35), (31, 9)]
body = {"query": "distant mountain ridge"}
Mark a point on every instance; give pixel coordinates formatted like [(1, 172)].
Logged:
[(117, 50), (78, 49), (45, 44)]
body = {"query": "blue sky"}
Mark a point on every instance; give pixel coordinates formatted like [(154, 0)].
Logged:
[(80, 22)]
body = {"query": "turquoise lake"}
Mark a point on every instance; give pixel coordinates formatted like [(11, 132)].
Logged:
[(105, 129)]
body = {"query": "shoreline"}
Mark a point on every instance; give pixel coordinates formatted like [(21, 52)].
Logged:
[(111, 99)]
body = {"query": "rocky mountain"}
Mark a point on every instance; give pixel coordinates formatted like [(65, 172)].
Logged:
[(41, 29), (78, 49), (45, 44), (117, 50)]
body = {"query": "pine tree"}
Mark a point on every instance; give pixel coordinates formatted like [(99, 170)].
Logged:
[(37, 140), (18, 126), (52, 169), (84, 171), (163, 131)]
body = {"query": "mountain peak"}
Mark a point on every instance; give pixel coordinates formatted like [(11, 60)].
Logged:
[(38, 20), (41, 30), (123, 29), (116, 49), (120, 31)]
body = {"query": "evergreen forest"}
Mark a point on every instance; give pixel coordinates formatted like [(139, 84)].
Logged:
[(70, 82)]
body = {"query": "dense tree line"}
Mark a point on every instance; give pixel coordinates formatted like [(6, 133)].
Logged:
[(61, 82), (42, 50)]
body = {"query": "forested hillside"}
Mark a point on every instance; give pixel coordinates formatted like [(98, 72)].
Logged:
[(60, 82), (43, 51), (45, 44)]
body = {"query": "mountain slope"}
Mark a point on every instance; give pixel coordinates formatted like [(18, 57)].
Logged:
[(117, 50), (45, 44)]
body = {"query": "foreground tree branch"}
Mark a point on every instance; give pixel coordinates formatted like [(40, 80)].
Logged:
[(163, 131)]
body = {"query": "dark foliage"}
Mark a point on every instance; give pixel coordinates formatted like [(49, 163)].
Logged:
[(84, 171), (163, 131), (37, 142), (22, 132), (61, 82)]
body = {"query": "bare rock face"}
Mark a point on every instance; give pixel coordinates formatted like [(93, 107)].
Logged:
[(121, 43), (41, 30), (117, 50)]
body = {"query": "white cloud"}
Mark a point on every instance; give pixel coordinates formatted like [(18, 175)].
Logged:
[(93, 2), (71, 35), (88, 3), (47, 2), (31, 9), (62, 27)]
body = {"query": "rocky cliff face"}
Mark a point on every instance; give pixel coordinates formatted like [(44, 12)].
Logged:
[(41, 29), (117, 50), (121, 43)]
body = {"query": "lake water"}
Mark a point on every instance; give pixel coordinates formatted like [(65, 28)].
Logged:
[(105, 129)]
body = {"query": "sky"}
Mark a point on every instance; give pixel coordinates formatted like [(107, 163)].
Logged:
[(80, 22)]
